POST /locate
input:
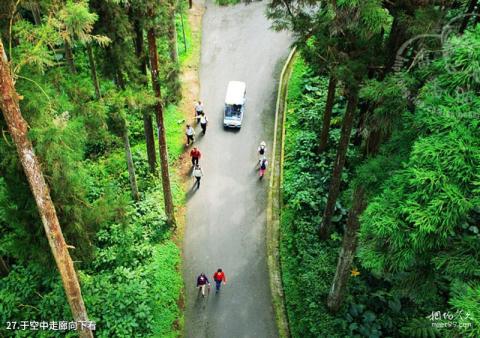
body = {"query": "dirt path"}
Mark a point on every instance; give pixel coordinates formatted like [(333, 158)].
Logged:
[(226, 216)]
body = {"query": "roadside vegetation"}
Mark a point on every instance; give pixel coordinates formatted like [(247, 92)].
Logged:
[(90, 133), (398, 253)]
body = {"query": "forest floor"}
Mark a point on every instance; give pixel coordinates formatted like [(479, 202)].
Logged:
[(225, 219)]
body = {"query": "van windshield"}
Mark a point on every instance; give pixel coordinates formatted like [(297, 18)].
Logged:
[(233, 110)]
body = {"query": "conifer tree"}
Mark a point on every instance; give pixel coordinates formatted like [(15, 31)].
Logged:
[(353, 37), (18, 130), (162, 141), (138, 23)]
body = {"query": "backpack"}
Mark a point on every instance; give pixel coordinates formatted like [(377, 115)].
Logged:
[(261, 151), (263, 165)]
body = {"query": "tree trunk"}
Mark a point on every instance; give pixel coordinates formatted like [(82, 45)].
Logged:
[(398, 35), (347, 253), (69, 57), (93, 71), (352, 97), (147, 117), (327, 114), (162, 142), (19, 131), (4, 269), (35, 8), (173, 75), (140, 49), (120, 80), (130, 166), (471, 7), (172, 32), (150, 141)]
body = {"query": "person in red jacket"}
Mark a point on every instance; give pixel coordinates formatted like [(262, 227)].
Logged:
[(195, 154), (219, 277)]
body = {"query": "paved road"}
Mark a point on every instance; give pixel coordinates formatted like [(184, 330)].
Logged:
[(226, 216)]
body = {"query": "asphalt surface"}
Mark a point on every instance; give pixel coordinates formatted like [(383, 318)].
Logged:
[(226, 216)]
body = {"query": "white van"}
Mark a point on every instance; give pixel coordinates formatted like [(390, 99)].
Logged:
[(234, 104)]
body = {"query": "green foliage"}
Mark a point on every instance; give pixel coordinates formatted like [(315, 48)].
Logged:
[(419, 237), (128, 265), (307, 264), (465, 300), (227, 2)]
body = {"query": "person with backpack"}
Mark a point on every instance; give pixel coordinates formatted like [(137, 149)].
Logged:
[(190, 132), (198, 110), (195, 154), (203, 122), (197, 174), (262, 151), (219, 277), (202, 282), (263, 167)]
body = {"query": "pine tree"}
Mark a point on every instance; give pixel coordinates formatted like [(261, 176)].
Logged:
[(347, 252), (327, 114), (135, 15), (162, 142), (18, 130), (334, 189)]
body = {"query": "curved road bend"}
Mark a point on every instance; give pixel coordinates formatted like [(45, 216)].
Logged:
[(226, 216)]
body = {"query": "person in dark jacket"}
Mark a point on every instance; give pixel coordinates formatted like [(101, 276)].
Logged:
[(202, 281)]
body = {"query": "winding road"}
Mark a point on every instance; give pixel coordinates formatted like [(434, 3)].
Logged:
[(226, 216)]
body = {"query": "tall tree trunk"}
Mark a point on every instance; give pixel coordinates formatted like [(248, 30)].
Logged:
[(172, 32), (19, 131), (150, 141), (120, 80), (93, 71), (398, 35), (162, 142), (327, 114), (471, 7), (352, 97), (35, 8), (347, 253), (69, 57), (4, 269), (130, 166), (139, 47), (147, 117), (174, 73)]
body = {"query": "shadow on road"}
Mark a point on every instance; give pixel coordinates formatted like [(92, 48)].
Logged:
[(191, 191)]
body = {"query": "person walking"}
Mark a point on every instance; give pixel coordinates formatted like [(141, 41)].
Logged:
[(195, 154), (219, 277), (263, 167), (197, 174), (198, 110), (190, 132), (203, 122), (262, 151), (202, 282)]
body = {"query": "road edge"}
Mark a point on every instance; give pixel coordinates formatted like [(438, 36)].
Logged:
[(274, 202), (190, 82)]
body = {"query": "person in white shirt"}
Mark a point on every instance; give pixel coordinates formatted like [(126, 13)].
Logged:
[(190, 132), (203, 123), (198, 110), (262, 152), (197, 174)]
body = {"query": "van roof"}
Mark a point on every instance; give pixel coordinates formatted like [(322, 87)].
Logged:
[(235, 92)]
